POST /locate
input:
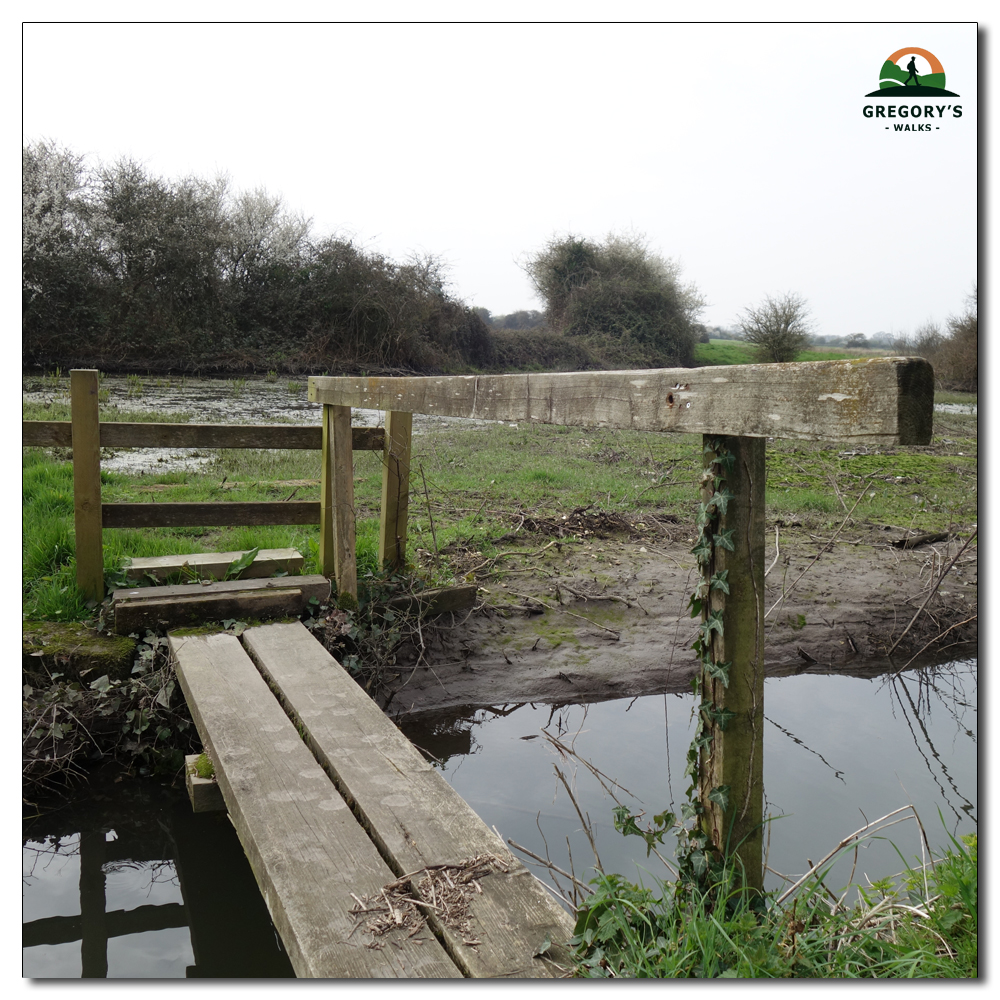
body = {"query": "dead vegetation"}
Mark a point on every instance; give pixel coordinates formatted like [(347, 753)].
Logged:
[(440, 892)]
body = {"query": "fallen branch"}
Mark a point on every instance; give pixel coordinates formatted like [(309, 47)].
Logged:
[(552, 867), (867, 830), (504, 555), (934, 640), (933, 591)]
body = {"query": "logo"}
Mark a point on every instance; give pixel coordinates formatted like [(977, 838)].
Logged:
[(911, 72)]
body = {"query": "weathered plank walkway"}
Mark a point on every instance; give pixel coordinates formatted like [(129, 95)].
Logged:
[(332, 803)]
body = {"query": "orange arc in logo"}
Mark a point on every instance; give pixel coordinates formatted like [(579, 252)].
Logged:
[(936, 66)]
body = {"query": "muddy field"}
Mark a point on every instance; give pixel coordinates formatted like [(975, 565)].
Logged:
[(595, 607)]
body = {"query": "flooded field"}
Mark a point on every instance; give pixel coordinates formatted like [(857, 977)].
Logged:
[(244, 400)]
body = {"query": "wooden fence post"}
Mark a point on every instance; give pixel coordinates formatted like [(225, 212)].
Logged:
[(83, 384), (395, 489), (344, 544), (327, 498), (735, 756)]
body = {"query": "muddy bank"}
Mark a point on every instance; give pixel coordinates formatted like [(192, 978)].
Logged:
[(607, 617)]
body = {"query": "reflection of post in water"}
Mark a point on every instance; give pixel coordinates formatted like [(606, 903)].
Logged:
[(93, 919), (231, 931)]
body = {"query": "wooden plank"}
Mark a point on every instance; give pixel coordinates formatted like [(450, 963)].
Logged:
[(435, 602), (172, 605), (306, 850), (874, 400), (124, 434), (327, 549), (159, 613), (343, 501), (213, 514), (735, 757), (215, 564), (87, 483), (312, 585), (395, 488), (409, 809)]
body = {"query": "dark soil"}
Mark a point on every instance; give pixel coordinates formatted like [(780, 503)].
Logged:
[(604, 613)]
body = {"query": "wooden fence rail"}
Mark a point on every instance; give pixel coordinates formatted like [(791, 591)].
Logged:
[(86, 435)]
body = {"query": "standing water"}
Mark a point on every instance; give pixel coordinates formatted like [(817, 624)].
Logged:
[(839, 752)]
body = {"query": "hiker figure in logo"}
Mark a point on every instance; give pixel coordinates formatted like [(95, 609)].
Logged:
[(912, 68)]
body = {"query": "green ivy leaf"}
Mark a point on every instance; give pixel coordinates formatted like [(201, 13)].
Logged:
[(719, 581), (718, 671), (724, 540), (720, 796), (721, 716), (720, 500), (703, 550)]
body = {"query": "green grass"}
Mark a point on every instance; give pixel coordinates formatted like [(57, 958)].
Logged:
[(736, 352), (482, 479), (57, 410), (957, 397), (903, 927)]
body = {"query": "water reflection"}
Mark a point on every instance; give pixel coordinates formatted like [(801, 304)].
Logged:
[(838, 750), (130, 883)]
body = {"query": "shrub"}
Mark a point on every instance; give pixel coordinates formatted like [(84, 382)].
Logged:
[(778, 328), (620, 296)]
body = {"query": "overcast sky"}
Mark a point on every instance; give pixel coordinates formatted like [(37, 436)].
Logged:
[(741, 151)]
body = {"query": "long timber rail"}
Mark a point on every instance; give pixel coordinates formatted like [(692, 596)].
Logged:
[(332, 804)]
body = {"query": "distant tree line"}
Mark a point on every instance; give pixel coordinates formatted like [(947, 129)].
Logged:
[(129, 270), (953, 351)]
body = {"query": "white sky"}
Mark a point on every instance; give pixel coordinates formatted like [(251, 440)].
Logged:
[(739, 150)]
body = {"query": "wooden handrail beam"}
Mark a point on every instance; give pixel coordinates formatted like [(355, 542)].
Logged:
[(874, 400)]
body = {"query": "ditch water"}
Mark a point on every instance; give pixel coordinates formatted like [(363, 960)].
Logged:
[(180, 899), (126, 882)]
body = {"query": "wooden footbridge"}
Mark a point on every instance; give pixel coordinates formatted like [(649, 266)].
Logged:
[(350, 832), (347, 826)]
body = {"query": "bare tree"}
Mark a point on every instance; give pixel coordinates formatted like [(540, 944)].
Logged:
[(778, 328)]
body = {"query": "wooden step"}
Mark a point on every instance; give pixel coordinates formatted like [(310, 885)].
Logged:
[(415, 817), (307, 851), (173, 605), (213, 565), (435, 602)]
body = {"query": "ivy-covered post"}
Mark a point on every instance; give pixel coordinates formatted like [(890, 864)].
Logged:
[(730, 599)]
